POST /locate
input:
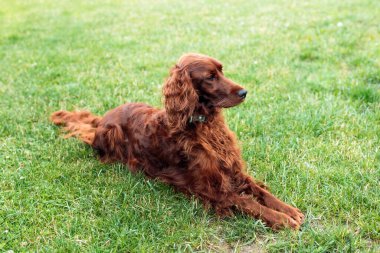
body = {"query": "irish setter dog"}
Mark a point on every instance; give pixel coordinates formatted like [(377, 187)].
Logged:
[(187, 144)]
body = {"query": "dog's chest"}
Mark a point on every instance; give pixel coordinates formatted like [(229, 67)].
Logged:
[(222, 146)]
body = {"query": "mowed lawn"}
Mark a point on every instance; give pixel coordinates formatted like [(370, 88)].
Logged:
[(309, 129)]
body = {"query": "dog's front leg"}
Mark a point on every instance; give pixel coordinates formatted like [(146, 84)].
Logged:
[(264, 197), (274, 219)]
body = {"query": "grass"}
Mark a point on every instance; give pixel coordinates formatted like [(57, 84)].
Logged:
[(310, 127)]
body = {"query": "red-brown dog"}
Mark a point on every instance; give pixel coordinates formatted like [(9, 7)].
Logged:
[(187, 144)]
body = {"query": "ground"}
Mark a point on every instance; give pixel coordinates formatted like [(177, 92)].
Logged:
[(309, 128)]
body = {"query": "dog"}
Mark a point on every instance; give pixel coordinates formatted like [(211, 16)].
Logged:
[(187, 144)]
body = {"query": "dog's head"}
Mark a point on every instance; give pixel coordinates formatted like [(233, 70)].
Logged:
[(197, 81)]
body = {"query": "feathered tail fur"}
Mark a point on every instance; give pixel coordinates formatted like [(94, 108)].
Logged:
[(81, 124)]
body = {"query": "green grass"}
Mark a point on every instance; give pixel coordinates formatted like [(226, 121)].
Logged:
[(310, 127)]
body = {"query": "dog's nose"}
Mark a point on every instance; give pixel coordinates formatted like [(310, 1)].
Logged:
[(242, 93)]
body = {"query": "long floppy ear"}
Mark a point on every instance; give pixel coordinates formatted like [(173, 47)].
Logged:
[(180, 97)]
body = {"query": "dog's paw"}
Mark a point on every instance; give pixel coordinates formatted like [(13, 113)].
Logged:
[(295, 214), (281, 220)]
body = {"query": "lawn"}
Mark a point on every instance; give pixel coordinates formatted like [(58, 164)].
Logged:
[(309, 128)]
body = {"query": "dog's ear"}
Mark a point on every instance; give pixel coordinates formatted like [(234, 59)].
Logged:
[(180, 97)]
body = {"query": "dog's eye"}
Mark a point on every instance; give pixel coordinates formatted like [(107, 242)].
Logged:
[(211, 77)]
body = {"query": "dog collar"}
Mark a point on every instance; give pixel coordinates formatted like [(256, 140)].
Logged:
[(197, 118)]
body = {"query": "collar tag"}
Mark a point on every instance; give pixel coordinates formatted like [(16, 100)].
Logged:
[(197, 118)]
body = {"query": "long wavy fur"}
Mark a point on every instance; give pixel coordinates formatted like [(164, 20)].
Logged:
[(199, 158)]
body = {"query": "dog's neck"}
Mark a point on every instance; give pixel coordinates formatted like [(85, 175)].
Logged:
[(203, 114)]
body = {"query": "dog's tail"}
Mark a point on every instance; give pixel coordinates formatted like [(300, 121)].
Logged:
[(81, 124)]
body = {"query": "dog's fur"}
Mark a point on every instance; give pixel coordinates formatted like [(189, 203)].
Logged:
[(187, 144)]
